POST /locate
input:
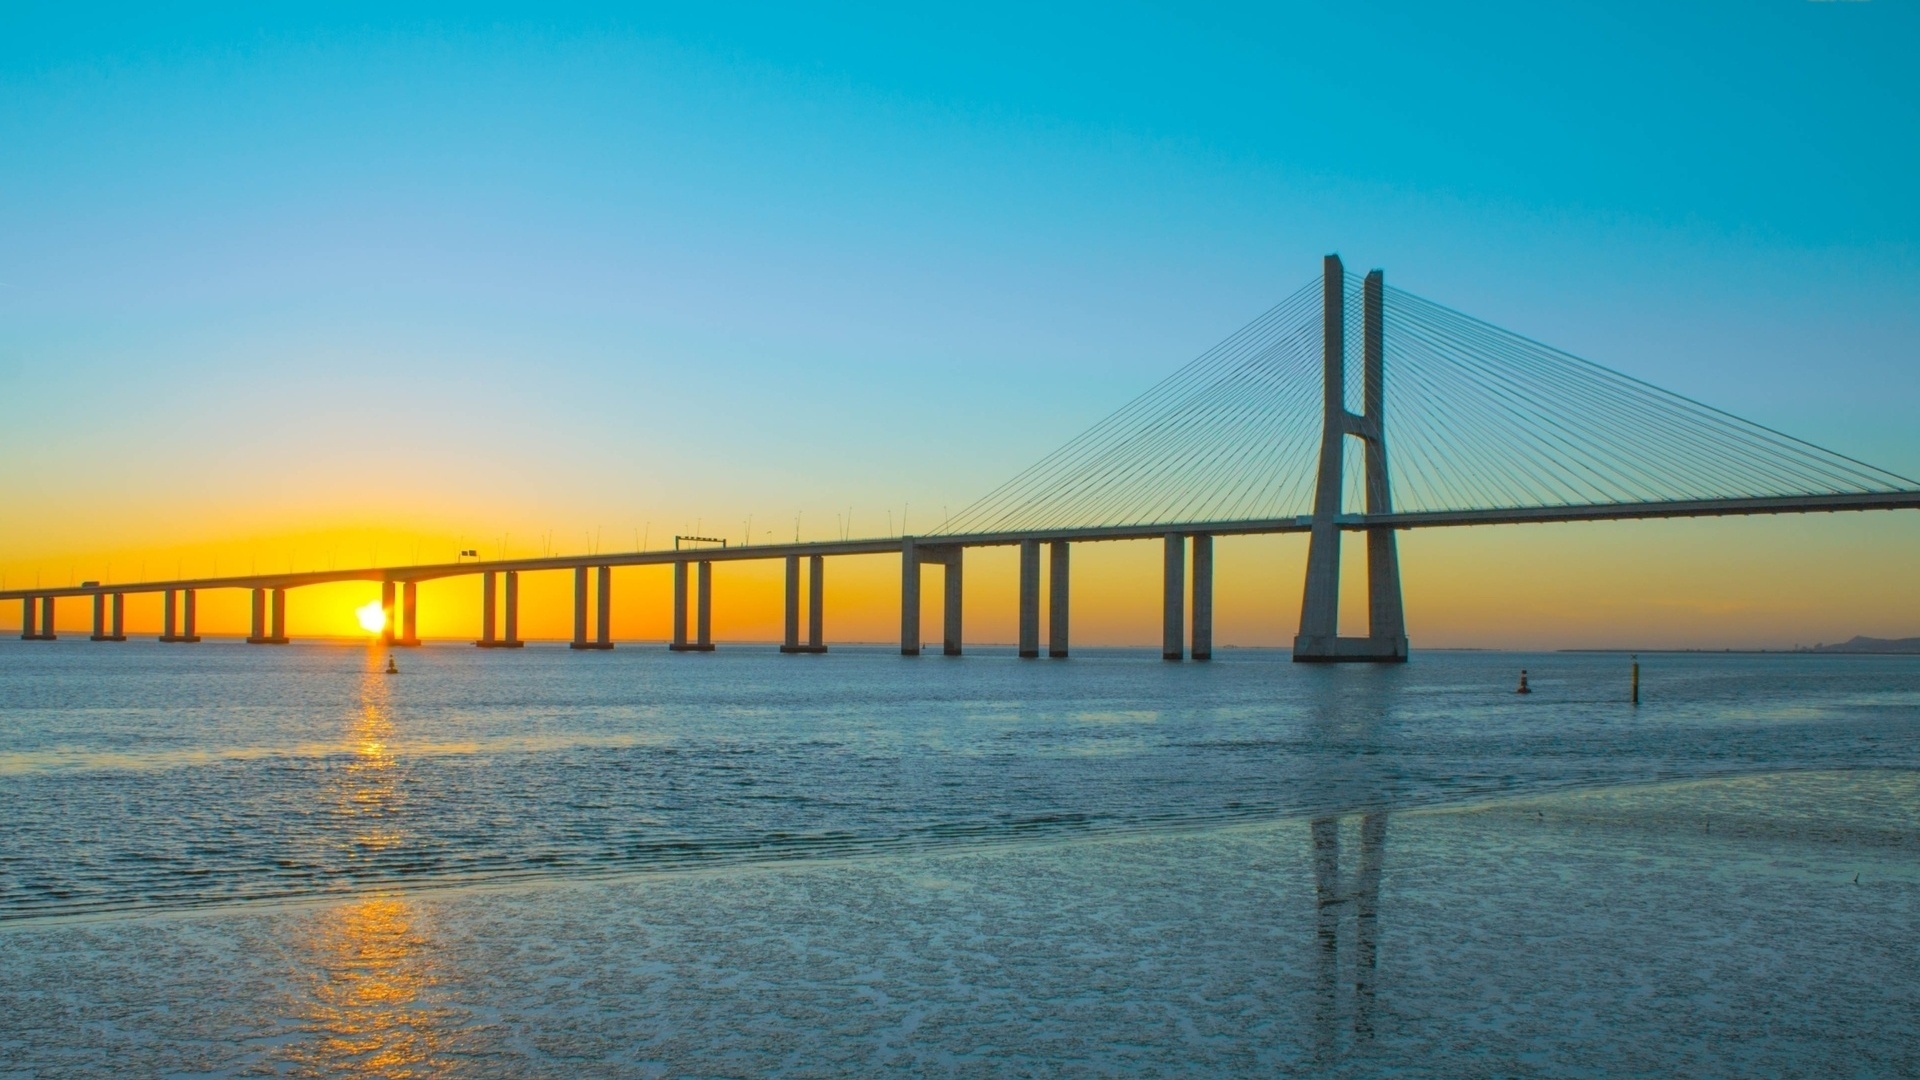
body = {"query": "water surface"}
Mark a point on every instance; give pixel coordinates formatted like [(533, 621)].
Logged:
[(228, 860)]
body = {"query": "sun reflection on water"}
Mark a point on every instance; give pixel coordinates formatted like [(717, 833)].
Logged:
[(368, 965), (367, 1012), (369, 793)]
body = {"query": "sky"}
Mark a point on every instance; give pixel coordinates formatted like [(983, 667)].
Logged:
[(332, 285)]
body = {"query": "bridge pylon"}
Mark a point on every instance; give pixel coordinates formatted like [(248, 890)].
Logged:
[(1319, 640)]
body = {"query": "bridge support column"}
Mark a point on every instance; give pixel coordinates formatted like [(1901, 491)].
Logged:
[(791, 643), (950, 644), (486, 610), (386, 613), (99, 617), (269, 618), (1029, 599), (1173, 613), (119, 617), (409, 615), (1057, 603), (603, 611), (579, 607), (702, 608), (814, 574), (909, 598), (1202, 596), (512, 640), (679, 642), (177, 617), (1319, 638), (41, 628), (703, 613), (1320, 601), (1386, 618), (257, 627), (816, 595)]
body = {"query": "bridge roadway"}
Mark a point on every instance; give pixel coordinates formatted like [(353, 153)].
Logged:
[(915, 550)]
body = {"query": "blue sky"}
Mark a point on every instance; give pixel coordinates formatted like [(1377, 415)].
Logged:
[(497, 270)]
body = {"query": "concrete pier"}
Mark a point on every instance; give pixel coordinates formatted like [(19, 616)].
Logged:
[(603, 609), (177, 617), (512, 590), (950, 644), (386, 613), (119, 618), (912, 556), (791, 643), (1173, 611), (263, 633), (99, 617), (487, 611), (490, 611), (409, 615), (257, 625), (702, 620), (579, 607), (40, 627), (1057, 591), (1202, 629), (679, 642), (1029, 599), (909, 598), (816, 596), (703, 610)]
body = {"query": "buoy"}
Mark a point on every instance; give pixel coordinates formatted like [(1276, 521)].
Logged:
[(1636, 680), (394, 669), (1523, 688)]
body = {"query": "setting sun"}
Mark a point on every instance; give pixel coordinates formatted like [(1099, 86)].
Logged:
[(372, 617)]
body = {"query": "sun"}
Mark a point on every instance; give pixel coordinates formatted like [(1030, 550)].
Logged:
[(372, 617)]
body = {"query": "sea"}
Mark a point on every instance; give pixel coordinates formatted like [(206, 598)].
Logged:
[(223, 860)]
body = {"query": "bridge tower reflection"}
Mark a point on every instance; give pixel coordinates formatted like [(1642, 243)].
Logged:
[(1336, 897)]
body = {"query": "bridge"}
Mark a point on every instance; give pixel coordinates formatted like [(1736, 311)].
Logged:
[(1262, 434)]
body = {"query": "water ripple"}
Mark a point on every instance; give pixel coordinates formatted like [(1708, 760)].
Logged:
[(144, 777)]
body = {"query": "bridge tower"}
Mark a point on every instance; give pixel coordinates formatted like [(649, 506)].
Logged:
[(1319, 640)]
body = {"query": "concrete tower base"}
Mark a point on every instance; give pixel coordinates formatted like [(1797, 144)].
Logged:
[(1349, 650)]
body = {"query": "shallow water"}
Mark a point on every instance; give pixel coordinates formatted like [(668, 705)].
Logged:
[(228, 860)]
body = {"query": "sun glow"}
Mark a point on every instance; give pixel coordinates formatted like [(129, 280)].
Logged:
[(373, 618)]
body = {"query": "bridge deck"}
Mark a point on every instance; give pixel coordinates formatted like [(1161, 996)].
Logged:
[(1800, 504)]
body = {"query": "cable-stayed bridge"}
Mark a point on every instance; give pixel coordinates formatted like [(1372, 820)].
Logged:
[(1451, 421)]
